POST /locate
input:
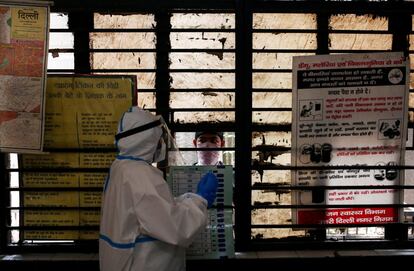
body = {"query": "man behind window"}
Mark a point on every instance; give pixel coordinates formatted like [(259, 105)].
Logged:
[(209, 139)]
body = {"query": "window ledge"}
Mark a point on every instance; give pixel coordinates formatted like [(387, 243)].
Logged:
[(283, 254), (295, 254)]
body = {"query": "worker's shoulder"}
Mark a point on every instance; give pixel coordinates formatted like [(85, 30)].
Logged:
[(138, 170)]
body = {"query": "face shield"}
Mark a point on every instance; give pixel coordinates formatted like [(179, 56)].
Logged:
[(166, 146), (173, 154)]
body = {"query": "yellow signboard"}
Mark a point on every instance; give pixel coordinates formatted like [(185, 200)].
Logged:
[(61, 218), (88, 235), (52, 160), (28, 23), (92, 179), (68, 160), (50, 179), (51, 235), (51, 218), (90, 199), (51, 199), (83, 111), (61, 235), (89, 218), (62, 199), (63, 179), (96, 160)]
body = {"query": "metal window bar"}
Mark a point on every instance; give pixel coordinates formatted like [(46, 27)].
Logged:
[(322, 48)]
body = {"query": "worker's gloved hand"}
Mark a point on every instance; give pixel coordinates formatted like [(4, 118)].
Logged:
[(207, 188)]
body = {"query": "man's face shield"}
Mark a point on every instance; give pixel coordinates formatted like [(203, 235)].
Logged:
[(166, 146)]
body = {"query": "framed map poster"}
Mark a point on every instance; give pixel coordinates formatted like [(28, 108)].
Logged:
[(23, 53)]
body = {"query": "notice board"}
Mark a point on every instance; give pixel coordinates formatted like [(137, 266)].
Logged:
[(24, 32), (349, 110), (63, 186)]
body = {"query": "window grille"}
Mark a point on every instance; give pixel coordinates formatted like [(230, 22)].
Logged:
[(227, 67)]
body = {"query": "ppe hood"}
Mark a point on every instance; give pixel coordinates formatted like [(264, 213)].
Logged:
[(143, 144)]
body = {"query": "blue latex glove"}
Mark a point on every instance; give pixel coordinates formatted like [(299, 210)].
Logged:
[(207, 188)]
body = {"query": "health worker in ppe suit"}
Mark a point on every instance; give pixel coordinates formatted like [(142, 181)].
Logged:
[(143, 227)]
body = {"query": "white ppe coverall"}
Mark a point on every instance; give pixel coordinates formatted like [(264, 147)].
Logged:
[(143, 227)]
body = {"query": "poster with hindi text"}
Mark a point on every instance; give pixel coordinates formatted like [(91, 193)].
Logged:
[(349, 110), (23, 56), (82, 111), (64, 185)]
